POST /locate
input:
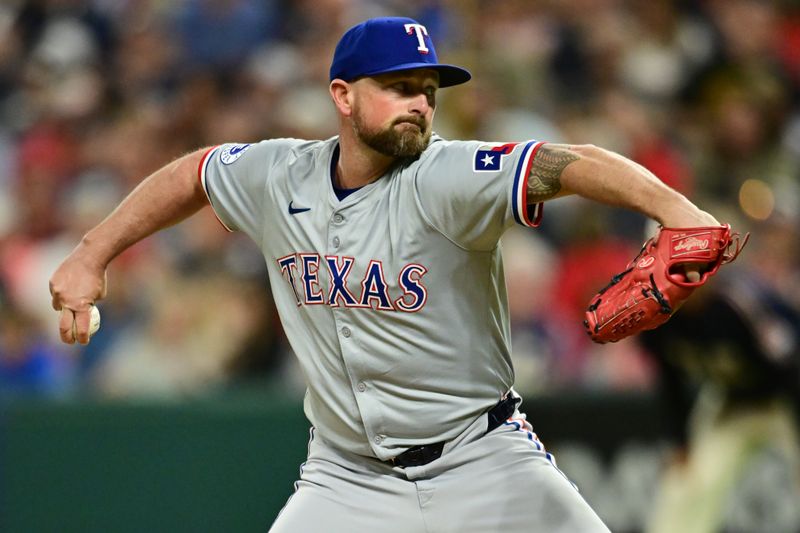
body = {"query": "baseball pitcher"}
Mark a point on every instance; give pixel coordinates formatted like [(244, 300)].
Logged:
[(382, 250)]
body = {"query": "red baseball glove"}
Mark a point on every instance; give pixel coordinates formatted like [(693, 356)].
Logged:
[(654, 285)]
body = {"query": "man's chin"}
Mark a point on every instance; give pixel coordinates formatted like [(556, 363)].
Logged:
[(412, 144), (403, 140)]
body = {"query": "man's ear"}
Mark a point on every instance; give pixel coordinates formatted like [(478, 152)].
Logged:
[(342, 95)]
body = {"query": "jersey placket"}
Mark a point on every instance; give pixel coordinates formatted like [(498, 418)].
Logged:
[(347, 333)]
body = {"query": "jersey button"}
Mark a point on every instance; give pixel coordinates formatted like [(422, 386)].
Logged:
[(336, 242), (378, 439), (362, 386), (346, 331), (338, 218)]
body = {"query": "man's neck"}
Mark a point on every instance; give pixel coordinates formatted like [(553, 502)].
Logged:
[(359, 164)]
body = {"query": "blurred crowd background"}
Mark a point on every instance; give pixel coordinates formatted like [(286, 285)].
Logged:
[(96, 94)]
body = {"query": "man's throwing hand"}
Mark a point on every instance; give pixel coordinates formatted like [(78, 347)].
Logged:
[(74, 287)]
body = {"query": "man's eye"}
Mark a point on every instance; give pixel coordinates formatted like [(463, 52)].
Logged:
[(400, 86), (430, 91)]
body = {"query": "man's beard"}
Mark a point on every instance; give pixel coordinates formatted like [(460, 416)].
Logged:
[(405, 142)]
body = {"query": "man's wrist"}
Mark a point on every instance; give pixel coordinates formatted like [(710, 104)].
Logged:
[(681, 213), (94, 252)]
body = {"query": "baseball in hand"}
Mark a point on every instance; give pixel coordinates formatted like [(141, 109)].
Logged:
[(94, 322)]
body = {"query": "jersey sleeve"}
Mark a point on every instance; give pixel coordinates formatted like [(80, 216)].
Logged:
[(472, 191), (234, 177)]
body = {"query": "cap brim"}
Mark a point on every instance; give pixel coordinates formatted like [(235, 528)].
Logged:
[(449, 75)]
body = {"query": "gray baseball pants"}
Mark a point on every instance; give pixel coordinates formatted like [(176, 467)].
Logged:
[(501, 482)]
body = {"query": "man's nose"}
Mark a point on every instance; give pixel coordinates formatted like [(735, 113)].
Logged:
[(420, 104)]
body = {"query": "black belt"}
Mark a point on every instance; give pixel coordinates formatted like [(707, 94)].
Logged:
[(422, 455)]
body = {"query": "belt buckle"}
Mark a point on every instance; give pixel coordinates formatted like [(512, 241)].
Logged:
[(419, 455), (414, 456)]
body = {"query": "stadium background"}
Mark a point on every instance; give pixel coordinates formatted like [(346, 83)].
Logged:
[(183, 414)]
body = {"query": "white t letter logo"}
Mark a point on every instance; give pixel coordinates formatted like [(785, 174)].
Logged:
[(421, 31)]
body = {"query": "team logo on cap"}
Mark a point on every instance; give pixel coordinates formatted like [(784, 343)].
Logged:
[(490, 158), (233, 152), (421, 32)]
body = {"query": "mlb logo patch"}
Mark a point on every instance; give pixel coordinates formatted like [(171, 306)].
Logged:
[(490, 158), (230, 154)]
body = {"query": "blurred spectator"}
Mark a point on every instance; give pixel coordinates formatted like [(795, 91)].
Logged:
[(221, 33), (185, 344), (617, 366), (731, 376), (530, 268), (671, 47), (29, 365)]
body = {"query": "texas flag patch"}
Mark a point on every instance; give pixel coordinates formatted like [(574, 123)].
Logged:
[(490, 158)]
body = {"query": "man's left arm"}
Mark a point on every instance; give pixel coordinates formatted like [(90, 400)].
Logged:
[(688, 250), (604, 176)]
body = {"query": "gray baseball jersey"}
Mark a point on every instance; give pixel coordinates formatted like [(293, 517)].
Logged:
[(393, 299)]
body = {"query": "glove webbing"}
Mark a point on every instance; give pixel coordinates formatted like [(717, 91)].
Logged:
[(614, 280), (618, 277), (665, 307)]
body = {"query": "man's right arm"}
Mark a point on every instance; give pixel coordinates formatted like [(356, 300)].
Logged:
[(166, 197)]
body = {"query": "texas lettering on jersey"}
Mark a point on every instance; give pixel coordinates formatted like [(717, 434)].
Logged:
[(307, 273)]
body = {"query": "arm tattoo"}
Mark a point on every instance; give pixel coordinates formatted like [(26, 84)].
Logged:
[(549, 162)]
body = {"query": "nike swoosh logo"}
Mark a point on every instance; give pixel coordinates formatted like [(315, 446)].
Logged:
[(295, 210), (236, 149)]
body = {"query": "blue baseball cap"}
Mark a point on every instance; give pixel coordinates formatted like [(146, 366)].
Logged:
[(389, 44)]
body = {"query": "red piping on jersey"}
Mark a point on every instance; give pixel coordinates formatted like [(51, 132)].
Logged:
[(203, 161), (525, 216), (200, 165)]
